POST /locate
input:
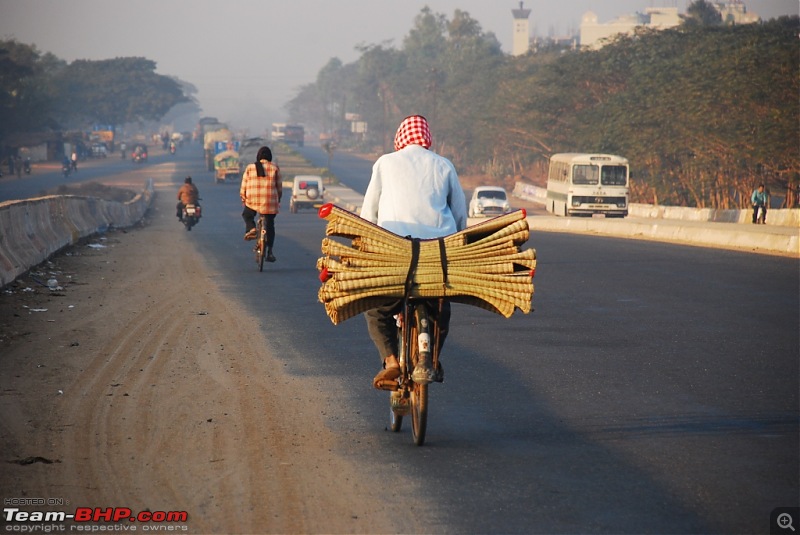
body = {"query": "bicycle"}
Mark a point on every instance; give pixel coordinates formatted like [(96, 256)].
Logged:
[(418, 338), (261, 242)]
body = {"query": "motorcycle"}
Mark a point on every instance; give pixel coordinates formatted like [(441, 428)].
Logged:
[(66, 169), (191, 215)]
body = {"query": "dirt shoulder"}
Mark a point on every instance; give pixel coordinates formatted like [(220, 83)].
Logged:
[(121, 389)]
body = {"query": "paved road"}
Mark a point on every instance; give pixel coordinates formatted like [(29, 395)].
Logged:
[(654, 389), (47, 176)]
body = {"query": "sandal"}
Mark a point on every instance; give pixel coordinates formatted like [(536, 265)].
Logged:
[(387, 379)]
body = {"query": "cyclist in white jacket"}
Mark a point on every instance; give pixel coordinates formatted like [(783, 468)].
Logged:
[(412, 192)]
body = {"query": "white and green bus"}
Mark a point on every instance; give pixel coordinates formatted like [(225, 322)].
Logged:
[(581, 184)]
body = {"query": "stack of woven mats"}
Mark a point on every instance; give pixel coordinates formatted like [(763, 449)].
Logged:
[(482, 265)]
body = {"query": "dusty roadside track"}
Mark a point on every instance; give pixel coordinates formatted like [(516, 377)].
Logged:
[(130, 391)]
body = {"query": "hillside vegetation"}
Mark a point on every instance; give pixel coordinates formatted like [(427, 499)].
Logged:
[(704, 111)]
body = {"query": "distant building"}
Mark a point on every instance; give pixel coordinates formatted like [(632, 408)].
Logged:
[(593, 32), (521, 32), (735, 12)]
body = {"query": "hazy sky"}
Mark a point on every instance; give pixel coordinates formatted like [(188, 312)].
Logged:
[(248, 57)]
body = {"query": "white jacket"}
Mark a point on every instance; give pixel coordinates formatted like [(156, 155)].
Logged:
[(415, 192)]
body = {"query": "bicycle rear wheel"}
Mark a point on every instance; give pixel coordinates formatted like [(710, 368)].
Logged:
[(261, 254), (260, 244), (419, 392)]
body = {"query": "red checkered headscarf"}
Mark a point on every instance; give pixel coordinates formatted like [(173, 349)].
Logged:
[(413, 131)]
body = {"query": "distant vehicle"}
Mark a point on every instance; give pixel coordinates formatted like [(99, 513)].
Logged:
[(103, 134), (139, 153), (489, 201), (99, 150), (307, 192), (216, 140), (291, 134), (226, 166), (581, 184)]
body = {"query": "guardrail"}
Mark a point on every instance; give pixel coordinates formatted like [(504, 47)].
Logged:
[(34, 229)]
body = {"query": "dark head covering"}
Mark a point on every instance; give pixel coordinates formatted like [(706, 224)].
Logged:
[(187, 180), (263, 154)]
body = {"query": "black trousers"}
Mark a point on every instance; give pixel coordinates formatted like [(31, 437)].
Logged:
[(249, 216), (382, 326), (755, 212)]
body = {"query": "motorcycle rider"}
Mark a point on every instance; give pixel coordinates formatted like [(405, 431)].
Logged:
[(187, 194), (412, 192)]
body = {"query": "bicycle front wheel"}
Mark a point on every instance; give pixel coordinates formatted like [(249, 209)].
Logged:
[(395, 419), (419, 413)]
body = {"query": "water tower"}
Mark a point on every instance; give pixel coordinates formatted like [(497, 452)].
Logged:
[(521, 34)]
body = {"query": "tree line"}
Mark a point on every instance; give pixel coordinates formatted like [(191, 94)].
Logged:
[(40, 92), (704, 111)]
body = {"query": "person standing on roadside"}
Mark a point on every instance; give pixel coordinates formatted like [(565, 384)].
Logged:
[(759, 199), (261, 193)]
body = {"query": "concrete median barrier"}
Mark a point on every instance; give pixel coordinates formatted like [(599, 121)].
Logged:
[(32, 230)]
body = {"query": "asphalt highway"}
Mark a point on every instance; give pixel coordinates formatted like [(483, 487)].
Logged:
[(654, 389)]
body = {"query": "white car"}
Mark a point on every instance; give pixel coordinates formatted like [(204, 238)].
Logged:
[(307, 192), (488, 201)]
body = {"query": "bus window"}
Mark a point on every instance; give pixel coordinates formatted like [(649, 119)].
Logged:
[(613, 175), (585, 174)]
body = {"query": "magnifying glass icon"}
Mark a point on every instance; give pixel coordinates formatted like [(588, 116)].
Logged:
[(785, 521)]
